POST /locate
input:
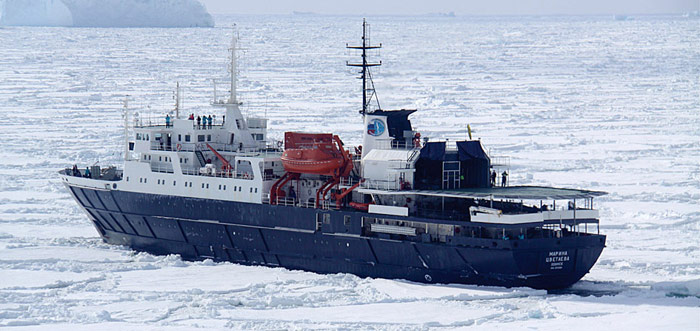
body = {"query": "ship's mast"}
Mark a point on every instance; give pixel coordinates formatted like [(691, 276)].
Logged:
[(126, 128), (234, 39), (366, 75)]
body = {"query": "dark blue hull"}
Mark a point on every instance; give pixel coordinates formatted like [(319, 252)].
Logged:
[(291, 237)]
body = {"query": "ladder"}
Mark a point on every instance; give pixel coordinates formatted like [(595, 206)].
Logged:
[(200, 157)]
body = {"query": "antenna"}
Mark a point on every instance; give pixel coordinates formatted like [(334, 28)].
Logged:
[(234, 40), (177, 100), (366, 75), (126, 128)]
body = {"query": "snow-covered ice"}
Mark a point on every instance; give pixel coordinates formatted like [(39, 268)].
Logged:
[(105, 13), (586, 102)]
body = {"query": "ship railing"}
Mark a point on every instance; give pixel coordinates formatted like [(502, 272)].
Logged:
[(348, 181), (109, 173), (219, 147), (162, 123), (287, 201), (399, 164), (218, 174), (387, 185), (500, 161)]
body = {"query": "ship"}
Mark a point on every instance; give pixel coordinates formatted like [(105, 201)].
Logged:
[(400, 206)]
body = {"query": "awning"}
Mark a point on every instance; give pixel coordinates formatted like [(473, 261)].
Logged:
[(501, 193)]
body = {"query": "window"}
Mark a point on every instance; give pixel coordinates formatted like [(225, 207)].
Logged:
[(207, 185), (326, 218), (179, 137), (202, 185), (145, 157), (138, 136), (174, 183), (224, 187), (346, 220), (200, 138), (127, 178), (208, 137), (256, 190), (160, 159), (145, 180), (187, 138)]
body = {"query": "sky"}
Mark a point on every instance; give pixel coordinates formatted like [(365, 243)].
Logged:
[(463, 7)]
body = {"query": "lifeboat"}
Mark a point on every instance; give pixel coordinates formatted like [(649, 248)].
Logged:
[(315, 153)]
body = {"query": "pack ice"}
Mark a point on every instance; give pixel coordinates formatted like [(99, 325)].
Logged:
[(105, 13)]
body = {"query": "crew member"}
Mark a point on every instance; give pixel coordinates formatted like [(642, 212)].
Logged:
[(504, 179), (493, 178), (167, 120)]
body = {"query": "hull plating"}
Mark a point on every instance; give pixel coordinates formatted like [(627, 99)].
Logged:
[(290, 237)]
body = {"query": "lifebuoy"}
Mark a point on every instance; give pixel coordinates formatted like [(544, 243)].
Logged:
[(179, 147)]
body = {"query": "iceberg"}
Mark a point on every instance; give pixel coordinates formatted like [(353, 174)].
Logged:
[(105, 13), (35, 13)]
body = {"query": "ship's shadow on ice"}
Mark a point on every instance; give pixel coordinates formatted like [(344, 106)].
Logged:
[(675, 289)]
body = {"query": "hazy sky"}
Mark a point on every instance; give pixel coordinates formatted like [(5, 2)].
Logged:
[(464, 7)]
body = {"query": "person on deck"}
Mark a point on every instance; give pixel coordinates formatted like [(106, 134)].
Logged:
[(493, 178), (87, 172), (76, 172), (504, 179), (292, 193), (167, 120), (191, 117), (210, 121), (199, 122)]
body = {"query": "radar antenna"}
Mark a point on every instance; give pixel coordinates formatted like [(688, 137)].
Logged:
[(368, 92)]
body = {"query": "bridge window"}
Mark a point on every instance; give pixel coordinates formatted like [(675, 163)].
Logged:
[(187, 138), (200, 138)]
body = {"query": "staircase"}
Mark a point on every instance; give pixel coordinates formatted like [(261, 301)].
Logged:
[(200, 157)]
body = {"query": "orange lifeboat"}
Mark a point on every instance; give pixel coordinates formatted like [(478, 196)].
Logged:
[(315, 153)]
